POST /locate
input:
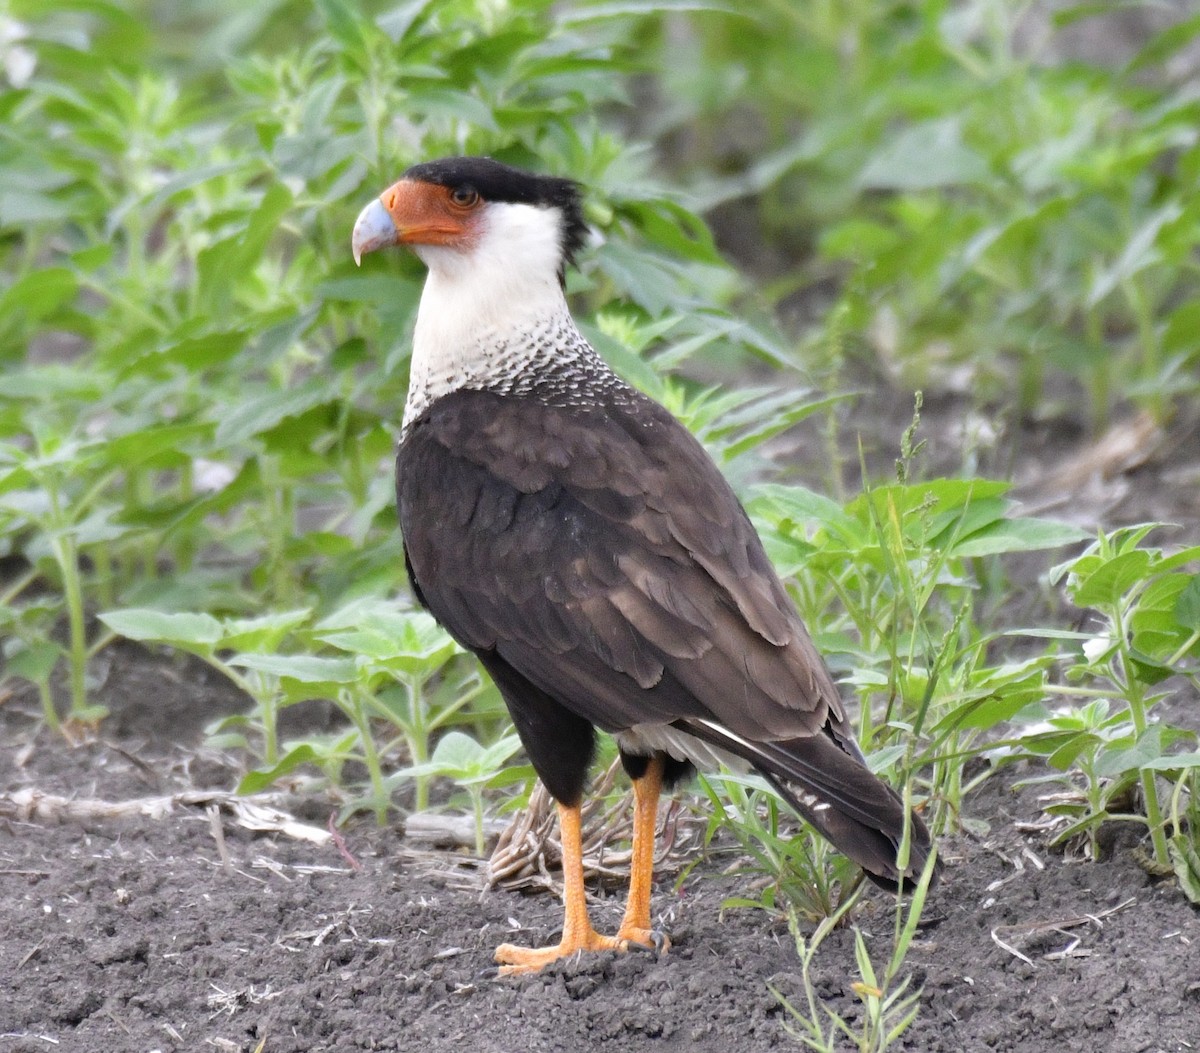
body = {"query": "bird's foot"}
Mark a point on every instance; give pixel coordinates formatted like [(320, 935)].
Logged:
[(644, 939), (515, 961)]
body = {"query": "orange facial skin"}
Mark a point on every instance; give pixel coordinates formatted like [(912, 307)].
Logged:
[(420, 214)]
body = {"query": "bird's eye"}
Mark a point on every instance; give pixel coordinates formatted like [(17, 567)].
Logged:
[(464, 197)]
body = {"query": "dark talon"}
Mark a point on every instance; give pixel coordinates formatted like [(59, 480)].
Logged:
[(659, 943)]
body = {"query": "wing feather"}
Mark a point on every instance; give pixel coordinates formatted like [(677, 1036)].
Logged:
[(600, 552)]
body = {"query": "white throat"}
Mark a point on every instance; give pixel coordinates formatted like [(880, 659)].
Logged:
[(486, 308)]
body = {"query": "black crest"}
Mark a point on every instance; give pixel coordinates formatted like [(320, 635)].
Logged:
[(494, 181)]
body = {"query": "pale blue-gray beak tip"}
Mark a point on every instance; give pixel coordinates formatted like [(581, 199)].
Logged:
[(374, 229)]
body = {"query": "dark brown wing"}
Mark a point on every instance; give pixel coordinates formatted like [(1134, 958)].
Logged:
[(607, 575), (599, 552)]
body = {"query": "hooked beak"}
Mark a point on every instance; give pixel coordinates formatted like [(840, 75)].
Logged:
[(374, 229), (413, 212)]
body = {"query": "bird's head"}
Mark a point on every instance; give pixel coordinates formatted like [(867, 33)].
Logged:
[(462, 208)]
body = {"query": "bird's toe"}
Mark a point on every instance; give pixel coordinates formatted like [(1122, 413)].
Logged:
[(639, 939)]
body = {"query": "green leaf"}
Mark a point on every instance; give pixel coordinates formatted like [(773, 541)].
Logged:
[(1019, 535), (1140, 252), (223, 266), (259, 779), (260, 413), (925, 156), (805, 506), (1009, 689), (1069, 751), (1187, 606), (190, 631), (303, 668), (147, 444), (1173, 762), (407, 641), (936, 497), (38, 294), (460, 757), (34, 662), (1148, 748), (264, 633), (1103, 587), (1147, 669), (457, 750), (1185, 860), (342, 23), (399, 21)]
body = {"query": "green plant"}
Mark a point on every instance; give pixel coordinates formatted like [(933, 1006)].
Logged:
[(1184, 843), (393, 681), (981, 205), (890, 584), (798, 873), (403, 677), (203, 422), (472, 766), (888, 1005), (1146, 604)]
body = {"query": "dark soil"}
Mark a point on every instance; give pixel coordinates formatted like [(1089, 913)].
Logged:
[(189, 932)]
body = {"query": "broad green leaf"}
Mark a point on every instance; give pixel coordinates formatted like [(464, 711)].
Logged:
[(264, 633), (1173, 762), (1009, 690), (262, 412), (406, 640), (1104, 586), (1019, 535), (1178, 559), (935, 497), (50, 383), (187, 630), (34, 662), (1187, 606), (924, 156), (1112, 762), (1148, 669), (146, 444), (1065, 755), (457, 750), (806, 506), (304, 668), (38, 294)]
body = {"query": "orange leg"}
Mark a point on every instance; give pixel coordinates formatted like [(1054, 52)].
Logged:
[(578, 934), (635, 926)]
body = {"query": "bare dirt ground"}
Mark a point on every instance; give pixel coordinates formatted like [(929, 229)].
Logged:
[(178, 927)]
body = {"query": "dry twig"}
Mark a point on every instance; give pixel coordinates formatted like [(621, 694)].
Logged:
[(252, 813), (1060, 925)]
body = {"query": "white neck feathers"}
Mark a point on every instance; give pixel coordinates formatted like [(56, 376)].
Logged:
[(485, 304)]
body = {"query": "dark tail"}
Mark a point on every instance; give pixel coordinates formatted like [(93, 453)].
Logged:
[(833, 789)]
